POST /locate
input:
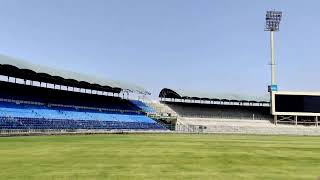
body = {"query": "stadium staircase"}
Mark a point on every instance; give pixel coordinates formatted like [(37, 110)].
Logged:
[(161, 108), (143, 106), (163, 114)]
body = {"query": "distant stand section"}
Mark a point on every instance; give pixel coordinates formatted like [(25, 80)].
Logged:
[(199, 112), (220, 111), (226, 106)]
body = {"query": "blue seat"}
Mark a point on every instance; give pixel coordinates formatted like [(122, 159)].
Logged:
[(144, 107), (22, 116)]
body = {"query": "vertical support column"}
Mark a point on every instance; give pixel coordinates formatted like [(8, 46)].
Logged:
[(273, 73), (272, 64), (275, 119), (316, 118), (296, 120)]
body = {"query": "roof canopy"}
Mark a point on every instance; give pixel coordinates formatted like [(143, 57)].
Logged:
[(21, 69), (180, 94)]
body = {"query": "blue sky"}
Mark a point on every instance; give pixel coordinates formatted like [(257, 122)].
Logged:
[(202, 45)]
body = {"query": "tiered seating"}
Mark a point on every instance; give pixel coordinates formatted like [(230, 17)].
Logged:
[(30, 107), (32, 123), (144, 107), (220, 111), (243, 127), (209, 122), (25, 116)]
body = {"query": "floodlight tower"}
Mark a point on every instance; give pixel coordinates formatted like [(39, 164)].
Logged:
[(273, 19)]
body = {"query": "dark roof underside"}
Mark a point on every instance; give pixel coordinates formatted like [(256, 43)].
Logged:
[(179, 94), (12, 71), (20, 69)]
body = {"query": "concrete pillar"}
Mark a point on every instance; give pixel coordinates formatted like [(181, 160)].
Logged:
[(296, 120)]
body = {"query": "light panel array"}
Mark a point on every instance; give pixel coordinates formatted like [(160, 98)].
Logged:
[(273, 19)]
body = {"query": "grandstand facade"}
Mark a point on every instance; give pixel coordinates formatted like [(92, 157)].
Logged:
[(34, 98), (223, 106), (226, 113), (39, 98)]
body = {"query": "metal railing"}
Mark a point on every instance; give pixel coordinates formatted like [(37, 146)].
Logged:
[(247, 117)]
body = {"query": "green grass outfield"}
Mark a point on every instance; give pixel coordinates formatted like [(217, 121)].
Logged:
[(159, 156)]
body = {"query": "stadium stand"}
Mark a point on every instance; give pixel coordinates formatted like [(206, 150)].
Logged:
[(43, 108), (207, 114), (26, 116), (216, 106), (226, 113), (40, 98), (36, 98), (220, 111), (203, 125)]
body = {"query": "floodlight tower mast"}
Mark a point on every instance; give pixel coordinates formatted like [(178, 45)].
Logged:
[(273, 19)]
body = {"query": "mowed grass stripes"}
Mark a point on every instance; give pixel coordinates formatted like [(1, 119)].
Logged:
[(160, 156)]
